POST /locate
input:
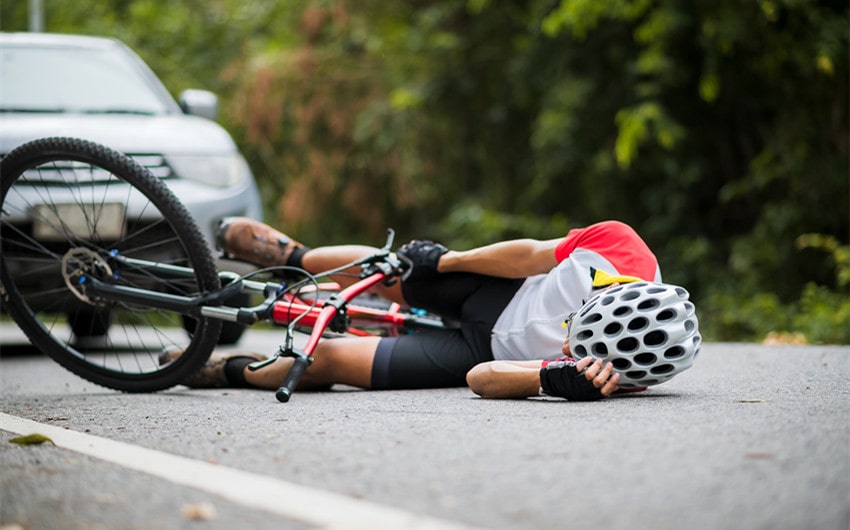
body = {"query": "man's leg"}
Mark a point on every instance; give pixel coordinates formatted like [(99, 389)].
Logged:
[(438, 358), (423, 360), (259, 243), (346, 361)]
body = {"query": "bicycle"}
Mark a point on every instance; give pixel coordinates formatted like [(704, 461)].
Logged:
[(103, 269)]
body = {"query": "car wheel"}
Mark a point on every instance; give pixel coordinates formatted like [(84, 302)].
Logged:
[(90, 322)]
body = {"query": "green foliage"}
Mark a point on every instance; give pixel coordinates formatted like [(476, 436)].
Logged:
[(470, 225), (719, 129), (823, 315), (819, 313), (820, 316)]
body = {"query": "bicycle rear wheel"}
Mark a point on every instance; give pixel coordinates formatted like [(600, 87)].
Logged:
[(71, 206)]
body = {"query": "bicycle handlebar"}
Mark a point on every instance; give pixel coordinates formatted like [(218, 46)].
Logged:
[(292, 378)]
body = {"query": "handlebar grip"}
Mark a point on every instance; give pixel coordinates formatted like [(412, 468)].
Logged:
[(292, 378)]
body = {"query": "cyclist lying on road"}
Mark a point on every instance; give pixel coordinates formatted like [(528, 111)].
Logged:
[(511, 300)]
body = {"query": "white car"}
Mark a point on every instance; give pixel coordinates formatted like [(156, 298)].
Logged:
[(98, 89)]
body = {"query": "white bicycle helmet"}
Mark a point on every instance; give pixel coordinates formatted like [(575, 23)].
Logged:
[(648, 331)]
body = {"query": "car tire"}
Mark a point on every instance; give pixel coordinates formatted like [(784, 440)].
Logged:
[(90, 322)]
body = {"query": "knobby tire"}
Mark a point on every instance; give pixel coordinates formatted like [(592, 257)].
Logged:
[(113, 344)]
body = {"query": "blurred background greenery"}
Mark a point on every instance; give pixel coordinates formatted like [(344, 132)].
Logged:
[(718, 128)]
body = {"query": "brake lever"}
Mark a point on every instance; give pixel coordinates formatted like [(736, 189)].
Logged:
[(286, 350), (406, 265), (390, 239), (253, 367)]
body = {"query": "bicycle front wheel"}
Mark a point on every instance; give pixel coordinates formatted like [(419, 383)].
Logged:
[(69, 207)]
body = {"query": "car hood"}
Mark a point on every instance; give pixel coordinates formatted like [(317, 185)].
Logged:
[(178, 134)]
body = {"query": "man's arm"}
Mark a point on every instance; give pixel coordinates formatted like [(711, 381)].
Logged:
[(505, 379), (521, 379), (517, 258)]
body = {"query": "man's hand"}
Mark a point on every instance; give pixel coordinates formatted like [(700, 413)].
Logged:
[(423, 257), (586, 380)]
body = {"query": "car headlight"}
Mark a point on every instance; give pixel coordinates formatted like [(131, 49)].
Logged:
[(220, 171)]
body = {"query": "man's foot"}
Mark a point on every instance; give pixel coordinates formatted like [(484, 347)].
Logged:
[(212, 374), (248, 240)]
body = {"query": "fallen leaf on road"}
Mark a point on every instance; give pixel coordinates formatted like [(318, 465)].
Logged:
[(31, 439)]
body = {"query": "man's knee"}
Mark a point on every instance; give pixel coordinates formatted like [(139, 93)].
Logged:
[(344, 360)]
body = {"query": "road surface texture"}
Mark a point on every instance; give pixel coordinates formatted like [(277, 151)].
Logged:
[(752, 437)]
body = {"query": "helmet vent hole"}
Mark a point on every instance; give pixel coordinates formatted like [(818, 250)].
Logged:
[(675, 352), (638, 324), (584, 334), (613, 328), (656, 290), (683, 294), (621, 364), (579, 352), (689, 325), (599, 350), (665, 315), (608, 300), (636, 374), (645, 358), (629, 344), (629, 295), (655, 338), (662, 369), (622, 311), (592, 318), (646, 305)]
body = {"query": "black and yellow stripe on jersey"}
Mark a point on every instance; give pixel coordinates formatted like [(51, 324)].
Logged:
[(602, 279)]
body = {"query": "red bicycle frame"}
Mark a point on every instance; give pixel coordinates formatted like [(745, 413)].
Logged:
[(310, 315)]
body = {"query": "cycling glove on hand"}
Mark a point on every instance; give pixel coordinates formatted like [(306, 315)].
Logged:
[(562, 379), (423, 257)]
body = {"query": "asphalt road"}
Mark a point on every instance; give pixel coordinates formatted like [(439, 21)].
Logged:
[(752, 437)]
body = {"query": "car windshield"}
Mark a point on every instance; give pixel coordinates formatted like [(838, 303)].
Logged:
[(52, 79)]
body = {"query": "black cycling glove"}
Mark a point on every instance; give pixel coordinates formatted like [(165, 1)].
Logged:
[(562, 379), (422, 257)]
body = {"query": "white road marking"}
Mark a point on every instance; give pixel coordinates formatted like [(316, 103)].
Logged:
[(297, 502)]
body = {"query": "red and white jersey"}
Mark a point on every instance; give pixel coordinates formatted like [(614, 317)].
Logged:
[(530, 327)]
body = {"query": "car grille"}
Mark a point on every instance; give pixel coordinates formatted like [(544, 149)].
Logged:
[(156, 164), (60, 172)]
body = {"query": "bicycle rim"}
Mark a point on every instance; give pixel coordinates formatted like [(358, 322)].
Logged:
[(77, 202)]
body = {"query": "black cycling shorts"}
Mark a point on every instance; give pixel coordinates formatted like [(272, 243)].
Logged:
[(441, 358)]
